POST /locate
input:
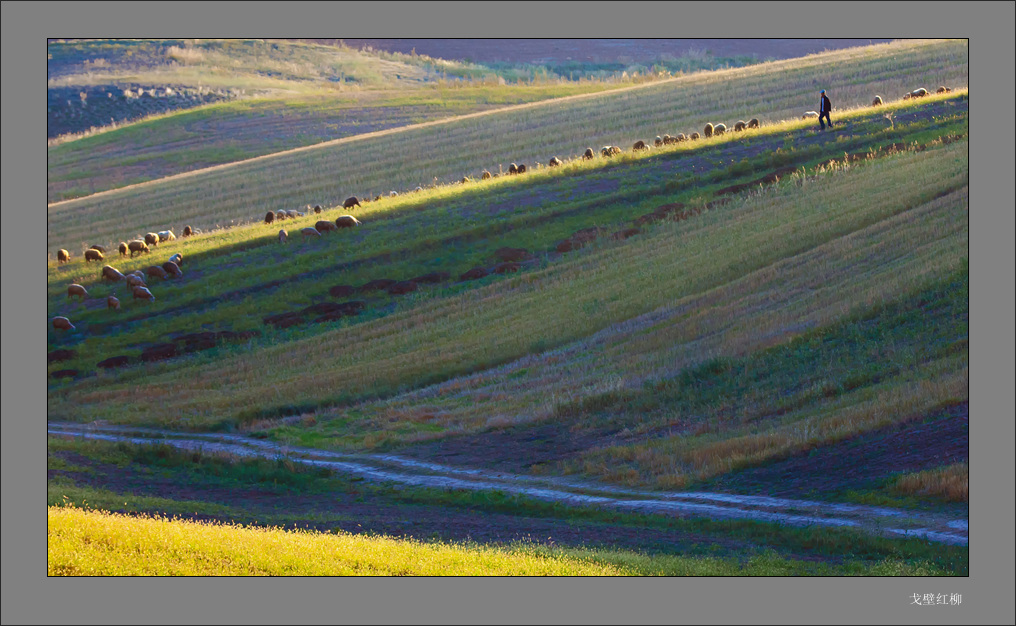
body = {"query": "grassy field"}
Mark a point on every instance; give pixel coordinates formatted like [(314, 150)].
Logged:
[(215, 134), (405, 158)]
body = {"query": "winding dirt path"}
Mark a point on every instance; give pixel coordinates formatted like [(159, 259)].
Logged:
[(387, 468)]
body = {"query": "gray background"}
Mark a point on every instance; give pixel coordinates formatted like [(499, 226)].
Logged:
[(29, 596)]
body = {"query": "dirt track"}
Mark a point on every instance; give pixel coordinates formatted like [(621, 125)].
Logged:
[(403, 471)]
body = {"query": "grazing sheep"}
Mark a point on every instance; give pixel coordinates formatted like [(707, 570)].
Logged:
[(133, 280), (293, 213), (919, 93), (152, 239), (157, 272), (877, 102), (907, 96), (99, 248), (62, 256), (62, 323), (740, 125), (177, 258), (639, 145), (187, 231), (112, 274), (280, 215), (123, 248), (138, 246), (112, 302), (485, 175), (377, 197), (418, 188), (809, 114), (708, 130), (351, 202), (324, 226), (513, 169), (753, 123), (694, 136), (317, 208), (554, 162), (173, 269), (719, 129), (142, 293), (346, 221), (77, 290), (522, 168), (310, 232), (282, 235), (943, 89), (269, 217), (658, 141), (588, 154), (93, 255), (166, 235)]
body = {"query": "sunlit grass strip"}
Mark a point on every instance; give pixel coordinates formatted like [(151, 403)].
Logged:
[(502, 321), (533, 132), (95, 543), (950, 482)]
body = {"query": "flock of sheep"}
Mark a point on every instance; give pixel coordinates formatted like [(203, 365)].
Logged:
[(135, 281), (171, 268)]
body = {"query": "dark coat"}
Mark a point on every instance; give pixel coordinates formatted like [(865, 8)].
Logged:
[(826, 106)]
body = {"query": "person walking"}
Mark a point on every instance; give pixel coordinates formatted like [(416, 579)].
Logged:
[(823, 111)]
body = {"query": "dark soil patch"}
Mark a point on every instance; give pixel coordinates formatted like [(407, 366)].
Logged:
[(516, 449), (860, 462)]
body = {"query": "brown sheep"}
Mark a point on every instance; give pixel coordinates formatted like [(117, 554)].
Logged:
[(310, 232), (639, 145), (177, 258), (753, 123), (877, 102), (99, 248), (351, 202), (137, 247), (719, 129), (694, 136), (113, 303), (465, 179), (142, 293), (166, 235), (668, 140), (269, 217), (554, 162), (522, 168), (122, 248), (157, 272), (172, 269), (62, 256), (346, 221), (283, 235), (317, 208), (187, 231), (324, 226), (280, 215), (943, 89), (740, 125), (606, 151), (93, 255), (708, 130), (76, 290), (485, 175), (62, 323), (919, 93), (133, 280), (152, 239), (588, 154), (112, 274), (907, 96), (513, 169), (377, 197)]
